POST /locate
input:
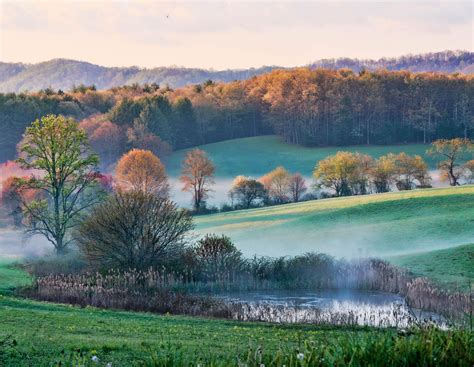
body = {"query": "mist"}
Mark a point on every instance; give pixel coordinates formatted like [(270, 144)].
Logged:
[(15, 244)]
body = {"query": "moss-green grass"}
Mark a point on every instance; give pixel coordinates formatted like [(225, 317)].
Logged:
[(43, 330), (256, 156), (45, 333), (12, 276), (379, 225), (452, 268)]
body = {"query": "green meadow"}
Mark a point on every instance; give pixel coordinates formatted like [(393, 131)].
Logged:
[(452, 268), (380, 225), (256, 156), (48, 334)]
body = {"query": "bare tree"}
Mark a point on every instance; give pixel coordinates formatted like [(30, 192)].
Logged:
[(133, 229), (297, 187), (197, 177)]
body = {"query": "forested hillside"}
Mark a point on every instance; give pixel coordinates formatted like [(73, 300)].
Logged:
[(308, 107), (448, 62), (64, 74)]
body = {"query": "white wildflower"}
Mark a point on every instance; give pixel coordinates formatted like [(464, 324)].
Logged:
[(300, 356), (95, 359)]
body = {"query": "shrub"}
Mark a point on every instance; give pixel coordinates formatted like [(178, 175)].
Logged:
[(217, 258), (134, 230)]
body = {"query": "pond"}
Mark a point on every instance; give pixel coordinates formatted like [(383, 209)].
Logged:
[(335, 307)]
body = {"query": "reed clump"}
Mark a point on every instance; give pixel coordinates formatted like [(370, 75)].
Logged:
[(184, 291)]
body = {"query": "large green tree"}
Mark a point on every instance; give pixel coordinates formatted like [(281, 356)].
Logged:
[(58, 149)]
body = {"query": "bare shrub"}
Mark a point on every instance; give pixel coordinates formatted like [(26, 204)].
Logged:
[(133, 230)]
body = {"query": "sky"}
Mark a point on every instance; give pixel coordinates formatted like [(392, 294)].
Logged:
[(228, 34)]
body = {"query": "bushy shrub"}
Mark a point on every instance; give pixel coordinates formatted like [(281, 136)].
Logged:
[(133, 230), (217, 258)]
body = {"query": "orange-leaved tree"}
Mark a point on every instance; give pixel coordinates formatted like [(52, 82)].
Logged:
[(141, 170)]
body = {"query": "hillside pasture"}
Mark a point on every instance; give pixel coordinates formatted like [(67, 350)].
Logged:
[(379, 225), (452, 268), (258, 155)]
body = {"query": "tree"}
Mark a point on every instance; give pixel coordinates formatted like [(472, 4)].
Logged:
[(185, 125), (453, 151), (277, 184), (197, 177), (297, 187), (57, 147), (469, 171), (336, 172), (246, 191), (108, 141), (133, 230), (218, 257), (359, 179), (410, 169), (11, 199), (383, 173), (142, 170), (141, 138)]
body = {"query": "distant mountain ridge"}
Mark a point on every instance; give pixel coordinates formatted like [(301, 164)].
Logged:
[(63, 73)]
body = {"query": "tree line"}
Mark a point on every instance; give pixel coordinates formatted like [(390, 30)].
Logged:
[(309, 107)]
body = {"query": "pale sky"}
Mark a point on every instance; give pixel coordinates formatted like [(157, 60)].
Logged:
[(228, 34)]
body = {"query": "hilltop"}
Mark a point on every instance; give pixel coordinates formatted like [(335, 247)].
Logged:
[(64, 73)]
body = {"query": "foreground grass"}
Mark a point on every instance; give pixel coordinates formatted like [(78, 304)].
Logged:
[(46, 334), (452, 268), (380, 225), (256, 156)]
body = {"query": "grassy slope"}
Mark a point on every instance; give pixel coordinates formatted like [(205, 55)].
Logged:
[(257, 155), (373, 225), (124, 338), (453, 268), (11, 276)]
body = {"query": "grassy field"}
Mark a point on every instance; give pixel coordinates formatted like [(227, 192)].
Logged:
[(46, 334), (452, 268), (11, 276), (258, 155), (379, 225), (57, 335)]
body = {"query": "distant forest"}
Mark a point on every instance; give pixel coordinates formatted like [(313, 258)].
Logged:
[(313, 107), (64, 74)]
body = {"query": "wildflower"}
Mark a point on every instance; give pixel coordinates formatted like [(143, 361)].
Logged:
[(300, 356), (108, 364), (95, 359)]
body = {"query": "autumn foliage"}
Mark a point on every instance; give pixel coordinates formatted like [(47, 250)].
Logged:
[(141, 170)]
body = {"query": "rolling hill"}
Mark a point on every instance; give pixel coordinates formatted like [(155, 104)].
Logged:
[(452, 268), (381, 225), (258, 155), (63, 73)]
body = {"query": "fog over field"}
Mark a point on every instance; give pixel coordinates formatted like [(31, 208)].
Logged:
[(380, 225), (15, 244)]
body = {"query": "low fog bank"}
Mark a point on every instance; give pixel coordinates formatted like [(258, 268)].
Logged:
[(14, 244), (377, 240)]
